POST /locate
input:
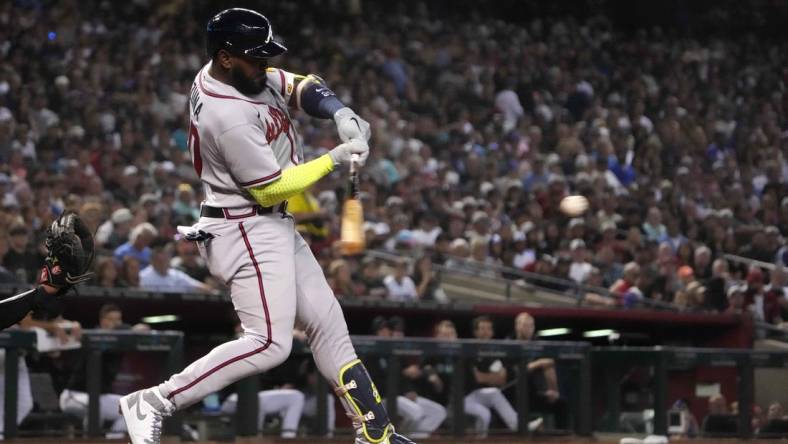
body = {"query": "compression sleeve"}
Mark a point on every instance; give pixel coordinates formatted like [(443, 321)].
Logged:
[(292, 181), (15, 308)]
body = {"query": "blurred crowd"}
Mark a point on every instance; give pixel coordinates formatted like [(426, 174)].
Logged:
[(480, 127)]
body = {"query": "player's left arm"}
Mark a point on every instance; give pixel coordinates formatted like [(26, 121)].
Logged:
[(312, 95), (15, 308)]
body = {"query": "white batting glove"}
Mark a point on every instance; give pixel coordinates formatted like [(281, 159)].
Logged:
[(351, 126), (358, 149)]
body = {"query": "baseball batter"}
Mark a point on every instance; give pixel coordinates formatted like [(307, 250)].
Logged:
[(245, 150)]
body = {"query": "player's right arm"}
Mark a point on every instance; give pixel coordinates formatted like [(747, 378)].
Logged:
[(313, 95), (251, 162)]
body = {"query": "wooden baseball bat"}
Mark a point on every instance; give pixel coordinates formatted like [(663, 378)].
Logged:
[(352, 226)]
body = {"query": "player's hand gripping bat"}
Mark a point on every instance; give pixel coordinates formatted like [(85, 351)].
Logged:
[(352, 226)]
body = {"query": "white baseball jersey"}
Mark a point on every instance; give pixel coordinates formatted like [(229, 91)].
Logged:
[(238, 141)]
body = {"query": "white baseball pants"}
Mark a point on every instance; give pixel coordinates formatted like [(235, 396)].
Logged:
[(310, 409), (273, 279), (479, 403), (287, 403), (420, 417), (76, 403)]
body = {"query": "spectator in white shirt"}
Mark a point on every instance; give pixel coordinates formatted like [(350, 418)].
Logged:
[(580, 267), (459, 254), (115, 231), (480, 227), (480, 258), (524, 255), (400, 286), (159, 276), (508, 103), (428, 230)]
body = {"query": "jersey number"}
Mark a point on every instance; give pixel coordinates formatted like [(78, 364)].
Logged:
[(194, 148)]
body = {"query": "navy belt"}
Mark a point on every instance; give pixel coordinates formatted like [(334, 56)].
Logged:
[(237, 213)]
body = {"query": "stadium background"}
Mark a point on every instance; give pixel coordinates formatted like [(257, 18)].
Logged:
[(668, 116)]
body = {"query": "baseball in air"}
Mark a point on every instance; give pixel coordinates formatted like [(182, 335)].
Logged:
[(574, 206)]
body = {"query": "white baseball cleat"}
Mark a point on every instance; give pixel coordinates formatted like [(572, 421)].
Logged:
[(143, 412)]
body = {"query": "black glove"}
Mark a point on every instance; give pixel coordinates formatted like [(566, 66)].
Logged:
[(69, 252)]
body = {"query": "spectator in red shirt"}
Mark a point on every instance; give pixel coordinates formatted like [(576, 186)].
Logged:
[(686, 275), (763, 305), (628, 284)]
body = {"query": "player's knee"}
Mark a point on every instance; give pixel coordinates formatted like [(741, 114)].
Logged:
[(273, 355), (281, 350), (483, 415), (409, 409), (24, 406), (475, 409), (297, 398), (230, 404), (418, 412), (439, 412)]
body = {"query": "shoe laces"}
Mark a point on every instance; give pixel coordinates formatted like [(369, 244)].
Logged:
[(156, 430), (156, 427)]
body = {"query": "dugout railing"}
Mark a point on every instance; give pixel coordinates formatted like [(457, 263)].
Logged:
[(574, 356), (13, 342), (579, 358), (94, 343)]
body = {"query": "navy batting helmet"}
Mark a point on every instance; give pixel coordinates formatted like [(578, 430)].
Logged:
[(242, 32)]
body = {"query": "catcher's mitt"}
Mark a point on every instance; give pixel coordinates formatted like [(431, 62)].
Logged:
[(69, 252)]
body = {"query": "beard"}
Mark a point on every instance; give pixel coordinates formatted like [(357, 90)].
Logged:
[(247, 85)]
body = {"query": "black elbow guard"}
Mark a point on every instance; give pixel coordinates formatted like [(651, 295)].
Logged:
[(316, 99)]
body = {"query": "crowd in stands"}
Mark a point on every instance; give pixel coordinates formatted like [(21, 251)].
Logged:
[(480, 127)]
